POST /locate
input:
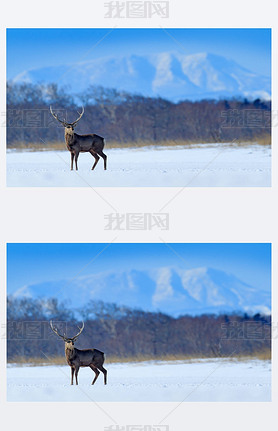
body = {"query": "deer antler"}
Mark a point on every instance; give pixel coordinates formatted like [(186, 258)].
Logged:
[(56, 117), (56, 331), (80, 116), (64, 121), (80, 330)]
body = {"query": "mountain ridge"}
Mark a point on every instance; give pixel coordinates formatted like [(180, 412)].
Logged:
[(170, 290), (170, 75)]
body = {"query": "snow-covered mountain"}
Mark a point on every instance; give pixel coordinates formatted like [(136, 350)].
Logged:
[(170, 290), (169, 75)]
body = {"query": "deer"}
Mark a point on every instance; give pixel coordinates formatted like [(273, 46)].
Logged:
[(76, 144), (76, 358)]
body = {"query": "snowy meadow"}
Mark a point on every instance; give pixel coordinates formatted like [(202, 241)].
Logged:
[(204, 165), (199, 380)]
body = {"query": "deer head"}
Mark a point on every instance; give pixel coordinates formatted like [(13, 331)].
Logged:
[(69, 341), (68, 126)]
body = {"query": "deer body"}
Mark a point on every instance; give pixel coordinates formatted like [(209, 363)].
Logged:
[(76, 144), (77, 358), (92, 143)]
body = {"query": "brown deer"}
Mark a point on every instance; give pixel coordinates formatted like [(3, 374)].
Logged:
[(76, 144), (76, 358)]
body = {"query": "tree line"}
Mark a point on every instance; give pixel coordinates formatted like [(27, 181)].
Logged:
[(130, 118), (124, 332)]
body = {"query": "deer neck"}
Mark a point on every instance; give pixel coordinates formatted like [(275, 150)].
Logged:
[(69, 351), (69, 137)]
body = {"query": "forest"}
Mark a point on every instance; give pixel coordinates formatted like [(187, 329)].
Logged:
[(131, 119), (123, 332)]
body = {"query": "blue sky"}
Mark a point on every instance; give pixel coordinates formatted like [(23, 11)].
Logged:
[(34, 263), (36, 48)]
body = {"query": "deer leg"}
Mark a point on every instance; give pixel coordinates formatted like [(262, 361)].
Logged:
[(96, 372), (72, 157), (72, 373), (76, 374), (76, 158), (96, 159), (104, 371), (104, 156)]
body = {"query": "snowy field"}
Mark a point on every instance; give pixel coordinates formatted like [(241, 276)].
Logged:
[(208, 165), (203, 380)]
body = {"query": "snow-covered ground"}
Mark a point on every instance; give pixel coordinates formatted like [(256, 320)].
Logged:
[(203, 380), (201, 166)]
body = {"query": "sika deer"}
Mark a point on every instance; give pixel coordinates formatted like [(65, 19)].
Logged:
[(76, 144), (76, 358)]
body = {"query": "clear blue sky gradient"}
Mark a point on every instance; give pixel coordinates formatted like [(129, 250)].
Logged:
[(33, 263), (35, 48)]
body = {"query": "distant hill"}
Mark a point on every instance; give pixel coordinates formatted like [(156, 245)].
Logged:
[(169, 290), (169, 75)]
